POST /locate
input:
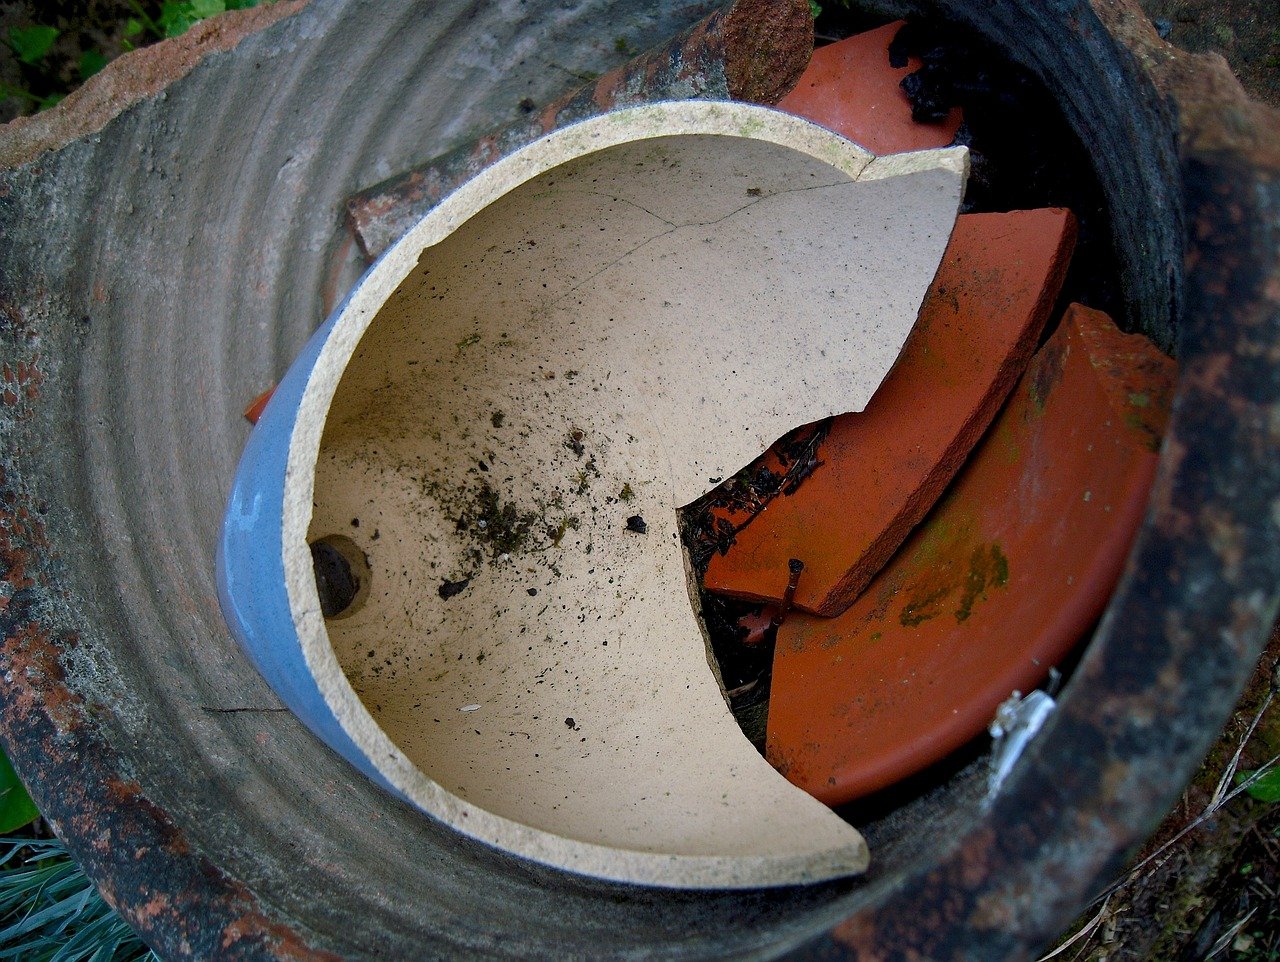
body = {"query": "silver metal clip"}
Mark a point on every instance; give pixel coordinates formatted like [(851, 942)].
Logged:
[(1016, 723)]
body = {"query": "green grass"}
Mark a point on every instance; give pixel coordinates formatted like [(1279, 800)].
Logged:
[(16, 807), (50, 912)]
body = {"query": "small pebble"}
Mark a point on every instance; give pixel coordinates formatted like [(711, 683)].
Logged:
[(636, 523)]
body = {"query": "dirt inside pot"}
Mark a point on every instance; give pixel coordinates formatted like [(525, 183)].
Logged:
[(519, 425)]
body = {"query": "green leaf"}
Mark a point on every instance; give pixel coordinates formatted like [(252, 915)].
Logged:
[(32, 43), (179, 25), (50, 101), (9, 90), (132, 27), (208, 8), (91, 61), (815, 9), (16, 807), (1266, 788), (175, 18)]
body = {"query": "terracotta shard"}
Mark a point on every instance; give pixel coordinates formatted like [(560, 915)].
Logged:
[(1002, 580), (253, 411), (851, 88), (881, 470)]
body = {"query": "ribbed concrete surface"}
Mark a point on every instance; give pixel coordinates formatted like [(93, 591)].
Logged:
[(190, 242), (161, 273)]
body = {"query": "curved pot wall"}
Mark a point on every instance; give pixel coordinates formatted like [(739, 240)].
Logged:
[(164, 268)]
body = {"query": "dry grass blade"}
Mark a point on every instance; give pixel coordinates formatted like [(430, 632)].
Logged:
[(1229, 936), (1085, 931), (1190, 827), (1229, 775), (1223, 794)]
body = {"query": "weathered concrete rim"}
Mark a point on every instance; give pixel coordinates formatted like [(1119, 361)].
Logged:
[(750, 50), (1005, 887)]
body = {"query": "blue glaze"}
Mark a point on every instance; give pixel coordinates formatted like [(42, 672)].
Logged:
[(250, 562)]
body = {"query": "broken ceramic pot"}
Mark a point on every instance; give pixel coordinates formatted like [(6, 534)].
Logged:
[(1000, 582), (493, 435)]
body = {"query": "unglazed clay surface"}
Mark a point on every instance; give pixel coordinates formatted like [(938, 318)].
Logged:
[(505, 419)]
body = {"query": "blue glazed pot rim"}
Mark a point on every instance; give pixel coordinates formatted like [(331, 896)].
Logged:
[(285, 631)]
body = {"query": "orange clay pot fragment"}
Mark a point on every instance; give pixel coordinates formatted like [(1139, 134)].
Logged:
[(259, 404), (1000, 582), (880, 471), (849, 87)]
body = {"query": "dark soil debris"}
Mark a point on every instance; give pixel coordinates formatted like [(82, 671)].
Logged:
[(499, 526), (711, 523), (448, 589), (1022, 152)]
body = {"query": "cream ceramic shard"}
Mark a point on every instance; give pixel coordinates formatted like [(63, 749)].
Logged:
[(590, 334)]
